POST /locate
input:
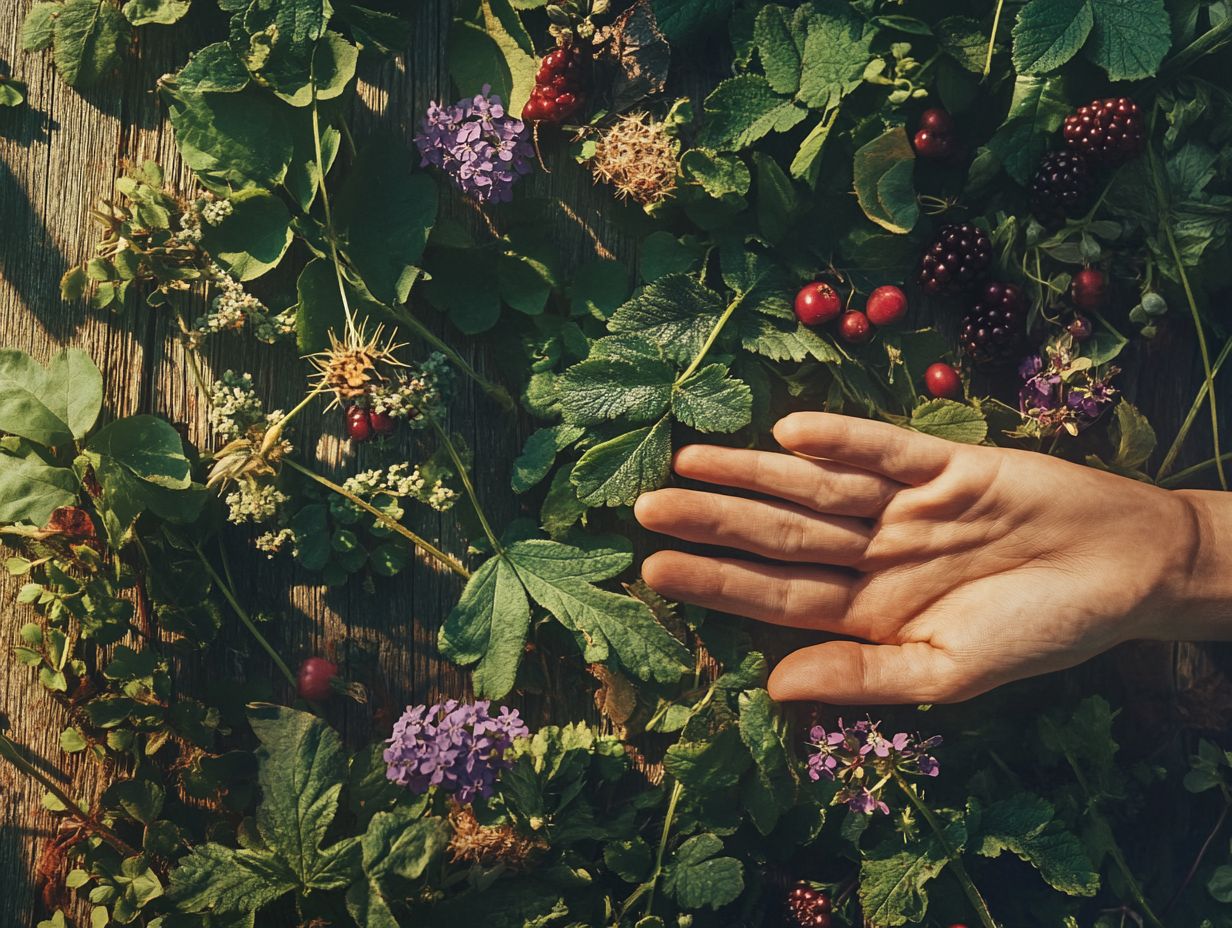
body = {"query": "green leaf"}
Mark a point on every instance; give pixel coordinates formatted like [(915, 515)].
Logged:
[(683, 20), (893, 879), (90, 39), (1037, 108), (884, 183), (633, 382), (743, 109), (320, 309), (238, 139), (598, 288), (397, 846), (291, 53), (1130, 37), (1220, 884), (225, 883), (162, 12), (710, 401), (965, 40), (616, 472), (776, 199), (806, 165), (471, 300), (1049, 33), (720, 175), (1134, 436), (674, 311), (214, 69), (780, 46), (30, 490), (71, 741), (536, 459), (836, 52), (488, 627), (146, 446), (1025, 825), (39, 27), (384, 214), (775, 782), (707, 767), (73, 390), (253, 238), (497, 51), (951, 420), (697, 878)]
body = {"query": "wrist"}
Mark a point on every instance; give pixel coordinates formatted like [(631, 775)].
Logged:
[(1199, 598)]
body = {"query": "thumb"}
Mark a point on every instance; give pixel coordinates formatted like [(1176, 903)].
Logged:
[(849, 673)]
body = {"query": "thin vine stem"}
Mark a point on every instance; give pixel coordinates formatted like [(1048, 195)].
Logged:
[(493, 390), (465, 477), (229, 595), (710, 339), (1181, 476), (1206, 846), (956, 863), (1194, 409), (668, 818), (330, 232), (992, 38), (8, 750), (392, 524), (1193, 312)]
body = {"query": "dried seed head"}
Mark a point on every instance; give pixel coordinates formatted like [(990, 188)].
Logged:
[(475, 843), (637, 156), (350, 366)]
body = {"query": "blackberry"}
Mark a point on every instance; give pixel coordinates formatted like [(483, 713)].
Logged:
[(993, 331), (1107, 131), (808, 907), (958, 257), (1062, 186), (559, 86)]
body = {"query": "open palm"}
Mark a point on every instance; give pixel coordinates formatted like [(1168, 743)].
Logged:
[(955, 568)]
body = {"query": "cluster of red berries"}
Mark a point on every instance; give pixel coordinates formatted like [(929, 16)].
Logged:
[(808, 907), (935, 136), (363, 423), (818, 303), (559, 86)]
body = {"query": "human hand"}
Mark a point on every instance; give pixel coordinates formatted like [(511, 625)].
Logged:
[(964, 567)]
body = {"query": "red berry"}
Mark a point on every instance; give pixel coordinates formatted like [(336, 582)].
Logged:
[(1079, 328), (358, 423), (932, 144), (817, 303), (315, 679), (937, 120), (942, 381), (1088, 288), (382, 422), (886, 305), (808, 907), (854, 327), (1108, 131)]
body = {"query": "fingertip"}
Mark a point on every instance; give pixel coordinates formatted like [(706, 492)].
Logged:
[(686, 457), (655, 570), (795, 429), (786, 684), (643, 508)]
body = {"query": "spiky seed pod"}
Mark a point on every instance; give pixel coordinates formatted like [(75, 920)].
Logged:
[(350, 366), (488, 846), (637, 156)]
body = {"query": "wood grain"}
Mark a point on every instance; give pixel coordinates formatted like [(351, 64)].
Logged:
[(63, 151)]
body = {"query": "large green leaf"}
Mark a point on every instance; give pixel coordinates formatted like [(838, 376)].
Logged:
[(775, 784), (253, 238), (779, 34), (488, 627), (684, 20), (495, 51), (616, 472), (711, 401), (1026, 825), (31, 489), (239, 139), (675, 312), (894, 878), (1130, 37), (884, 180), (148, 447), (1049, 33), (836, 52), (397, 845), (697, 877), (630, 380), (743, 109), (1037, 108), (51, 406), (290, 51), (90, 38), (951, 420)]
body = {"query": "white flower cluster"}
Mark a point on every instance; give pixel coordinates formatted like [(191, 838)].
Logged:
[(215, 210), (401, 481), (270, 543), (235, 407), (417, 397), (233, 307), (253, 502)]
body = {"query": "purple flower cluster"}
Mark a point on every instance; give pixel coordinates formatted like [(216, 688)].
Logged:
[(458, 747), (1060, 391), (863, 760), (479, 145)]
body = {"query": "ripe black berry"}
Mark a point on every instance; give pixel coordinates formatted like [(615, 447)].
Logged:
[(808, 907), (1062, 186), (957, 258), (1107, 131), (358, 424), (993, 331), (560, 85)]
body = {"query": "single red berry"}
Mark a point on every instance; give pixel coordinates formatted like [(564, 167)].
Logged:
[(886, 305), (937, 120), (382, 422), (358, 423), (942, 381), (1088, 288), (929, 144), (854, 327), (1079, 328), (315, 680), (817, 303)]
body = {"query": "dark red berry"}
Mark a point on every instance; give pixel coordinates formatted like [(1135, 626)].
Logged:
[(382, 422), (1079, 328), (993, 332), (1062, 186), (930, 144), (315, 680), (937, 120), (817, 303), (358, 423), (808, 907), (854, 327), (1088, 289), (957, 258), (941, 380), (886, 305), (1107, 131), (559, 89)]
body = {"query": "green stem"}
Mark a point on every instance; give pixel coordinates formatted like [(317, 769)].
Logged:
[(229, 595), (1210, 41), (956, 862), (992, 38), (669, 816), (9, 751), (274, 433), (330, 234), (710, 339), (1182, 475), (1193, 311), (1170, 457), (497, 392), (465, 477), (390, 523)]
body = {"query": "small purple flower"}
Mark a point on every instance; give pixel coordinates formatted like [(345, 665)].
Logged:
[(864, 801), (857, 754), (454, 746), (476, 143), (1060, 391)]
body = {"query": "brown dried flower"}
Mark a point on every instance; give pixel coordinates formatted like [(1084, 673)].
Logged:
[(637, 156), (488, 846), (349, 366)]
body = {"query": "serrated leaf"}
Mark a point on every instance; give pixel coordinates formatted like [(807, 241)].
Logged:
[(774, 783), (214, 69), (1025, 825), (1129, 38), (682, 20), (496, 51), (162, 12), (1049, 33), (780, 47), (950, 420), (836, 52), (720, 175), (743, 109), (39, 26), (965, 40), (396, 846), (637, 387), (884, 180), (1037, 108), (616, 472), (90, 38), (893, 879), (488, 627), (710, 401), (675, 312), (697, 878)]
